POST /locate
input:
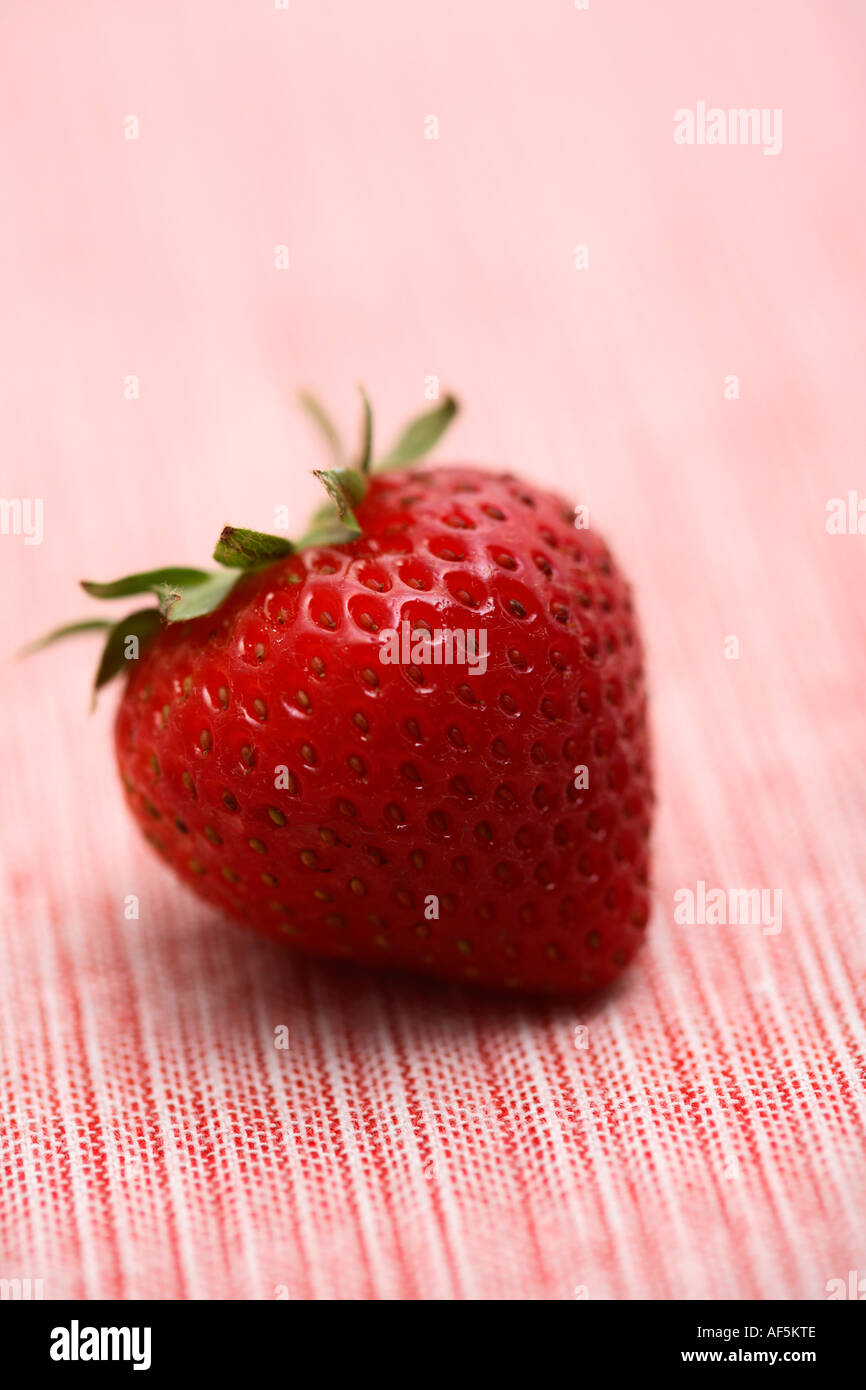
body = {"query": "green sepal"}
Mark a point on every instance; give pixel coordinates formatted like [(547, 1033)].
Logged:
[(240, 549), (421, 435), (366, 455), (320, 416), (180, 603), (346, 488), (68, 630), (149, 582), (324, 532), (142, 625)]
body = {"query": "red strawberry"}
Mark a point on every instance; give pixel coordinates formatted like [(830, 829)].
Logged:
[(432, 817)]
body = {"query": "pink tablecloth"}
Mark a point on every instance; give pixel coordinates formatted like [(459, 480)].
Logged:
[(699, 1133)]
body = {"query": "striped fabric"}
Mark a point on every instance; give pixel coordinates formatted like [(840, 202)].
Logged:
[(695, 376)]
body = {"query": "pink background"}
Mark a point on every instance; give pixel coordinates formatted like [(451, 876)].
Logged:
[(708, 1142)]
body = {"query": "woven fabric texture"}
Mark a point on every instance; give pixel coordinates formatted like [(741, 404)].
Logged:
[(695, 376)]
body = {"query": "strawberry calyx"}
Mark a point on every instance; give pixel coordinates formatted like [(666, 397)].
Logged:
[(183, 593)]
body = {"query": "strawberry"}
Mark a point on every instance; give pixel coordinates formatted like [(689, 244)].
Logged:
[(296, 744)]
